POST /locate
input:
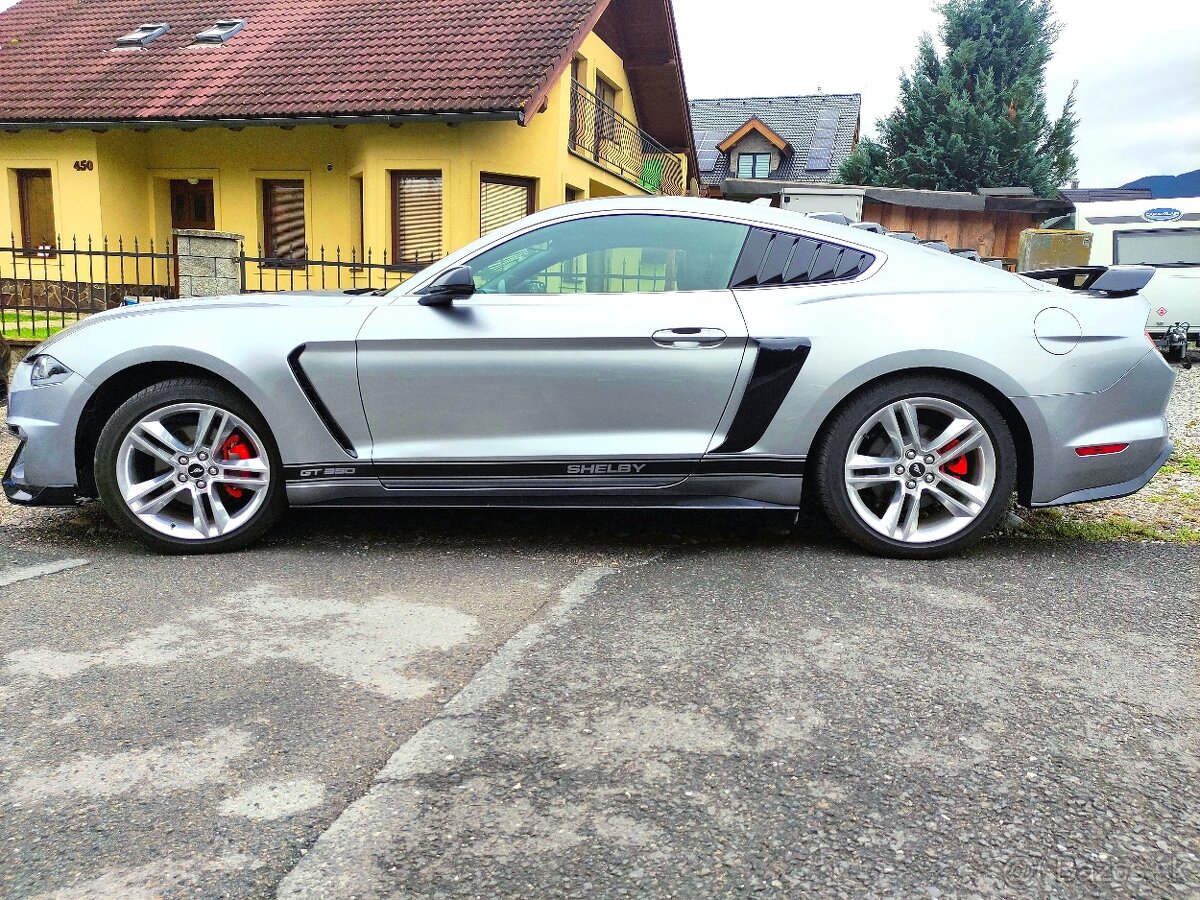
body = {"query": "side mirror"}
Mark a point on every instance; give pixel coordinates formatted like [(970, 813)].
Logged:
[(456, 282)]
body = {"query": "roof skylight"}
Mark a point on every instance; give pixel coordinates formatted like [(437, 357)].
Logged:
[(221, 32), (143, 35)]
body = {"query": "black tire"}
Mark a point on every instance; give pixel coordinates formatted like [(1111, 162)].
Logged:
[(834, 448), (160, 396)]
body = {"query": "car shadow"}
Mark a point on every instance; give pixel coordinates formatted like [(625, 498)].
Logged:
[(576, 529)]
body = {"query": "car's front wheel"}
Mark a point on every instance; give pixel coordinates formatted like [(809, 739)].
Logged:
[(188, 466), (917, 468)]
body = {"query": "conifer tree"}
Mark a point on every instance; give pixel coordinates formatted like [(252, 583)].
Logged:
[(975, 117)]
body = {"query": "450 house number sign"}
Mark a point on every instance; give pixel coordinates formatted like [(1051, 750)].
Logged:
[(84, 165)]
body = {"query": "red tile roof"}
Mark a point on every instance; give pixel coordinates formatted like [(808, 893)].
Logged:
[(294, 58)]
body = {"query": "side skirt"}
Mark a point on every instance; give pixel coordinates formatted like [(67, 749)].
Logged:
[(715, 482), (546, 501)]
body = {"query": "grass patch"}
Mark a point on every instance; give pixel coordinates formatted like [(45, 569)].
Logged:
[(1182, 464), (1055, 525), (33, 326)]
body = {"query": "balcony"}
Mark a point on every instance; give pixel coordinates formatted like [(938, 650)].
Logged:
[(602, 135)]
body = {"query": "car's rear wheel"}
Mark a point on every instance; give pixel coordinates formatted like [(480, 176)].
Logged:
[(917, 468), (188, 466)]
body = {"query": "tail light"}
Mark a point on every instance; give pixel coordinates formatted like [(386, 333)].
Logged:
[(1100, 449)]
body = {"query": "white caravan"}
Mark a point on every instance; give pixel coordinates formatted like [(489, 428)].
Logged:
[(1160, 233)]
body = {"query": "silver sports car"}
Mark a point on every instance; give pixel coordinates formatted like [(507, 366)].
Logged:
[(618, 353)]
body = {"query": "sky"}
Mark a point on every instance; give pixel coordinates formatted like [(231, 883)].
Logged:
[(1138, 67)]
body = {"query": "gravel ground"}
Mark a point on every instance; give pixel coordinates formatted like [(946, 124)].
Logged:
[(1184, 411)]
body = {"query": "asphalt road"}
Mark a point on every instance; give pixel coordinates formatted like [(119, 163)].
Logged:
[(542, 704)]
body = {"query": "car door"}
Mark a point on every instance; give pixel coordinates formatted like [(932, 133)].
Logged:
[(597, 351)]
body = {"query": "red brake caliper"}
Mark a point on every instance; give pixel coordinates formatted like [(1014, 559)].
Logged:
[(956, 467), (234, 448)]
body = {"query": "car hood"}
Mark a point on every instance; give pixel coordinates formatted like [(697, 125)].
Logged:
[(288, 300)]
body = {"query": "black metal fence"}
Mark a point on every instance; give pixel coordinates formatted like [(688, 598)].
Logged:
[(46, 288), (326, 271), (603, 135)]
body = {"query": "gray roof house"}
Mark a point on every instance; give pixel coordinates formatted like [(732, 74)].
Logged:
[(794, 139)]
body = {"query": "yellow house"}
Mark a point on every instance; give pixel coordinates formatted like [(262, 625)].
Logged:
[(395, 131)]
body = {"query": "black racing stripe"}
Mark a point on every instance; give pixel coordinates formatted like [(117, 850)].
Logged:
[(776, 368), (780, 466), (318, 405), (562, 468), (584, 468)]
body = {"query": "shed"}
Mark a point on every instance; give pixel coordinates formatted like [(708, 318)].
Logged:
[(989, 222)]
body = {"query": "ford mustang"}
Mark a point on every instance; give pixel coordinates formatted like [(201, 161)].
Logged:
[(630, 352)]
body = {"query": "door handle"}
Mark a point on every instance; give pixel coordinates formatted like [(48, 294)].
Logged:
[(689, 338)]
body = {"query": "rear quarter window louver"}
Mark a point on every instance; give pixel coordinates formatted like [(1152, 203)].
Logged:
[(770, 259)]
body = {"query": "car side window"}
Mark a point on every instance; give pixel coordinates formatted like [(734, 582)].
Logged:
[(772, 258), (613, 254)]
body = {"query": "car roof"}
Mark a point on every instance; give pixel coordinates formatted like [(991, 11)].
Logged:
[(963, 272), (770, 217), (749, 213)]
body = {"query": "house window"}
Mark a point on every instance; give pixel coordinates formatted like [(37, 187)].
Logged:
[(143, 35), (754, 165), (502, 201), (606, 109), (36, 200), (357, 217), (577, 86), (416, 219), (221, 32), (283, 221)]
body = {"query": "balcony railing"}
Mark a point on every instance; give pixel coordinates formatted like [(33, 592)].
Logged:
[(613, 142)]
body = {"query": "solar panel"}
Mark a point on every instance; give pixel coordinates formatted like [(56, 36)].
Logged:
[(820, 154), (708, 160), (819, 160), (707, 153), (707, 140)]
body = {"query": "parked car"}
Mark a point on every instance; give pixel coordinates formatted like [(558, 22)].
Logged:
[(665, 352)]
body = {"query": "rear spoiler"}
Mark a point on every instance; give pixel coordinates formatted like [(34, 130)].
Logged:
[(1112, 281)]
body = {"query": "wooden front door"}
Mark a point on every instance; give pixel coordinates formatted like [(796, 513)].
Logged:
[(192, 205)]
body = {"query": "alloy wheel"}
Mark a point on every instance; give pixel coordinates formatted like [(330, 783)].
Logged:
[(193, 471), (920, 470)]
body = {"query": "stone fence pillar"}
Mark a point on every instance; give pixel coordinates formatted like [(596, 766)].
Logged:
[(208, 263)]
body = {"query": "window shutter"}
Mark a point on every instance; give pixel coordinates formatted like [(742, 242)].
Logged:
[(503, 201), (284, 219), (416, 218)]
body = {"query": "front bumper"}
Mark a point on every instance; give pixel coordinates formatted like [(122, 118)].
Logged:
[(44, 419), (18, 491)]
